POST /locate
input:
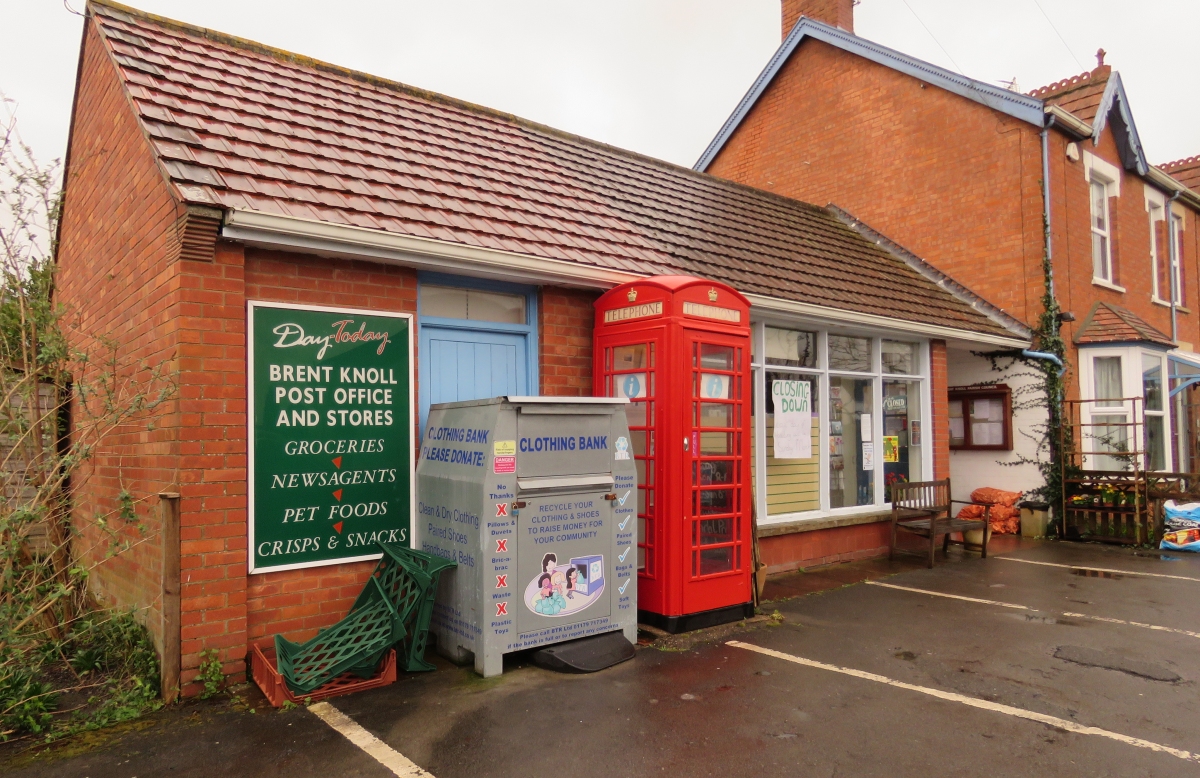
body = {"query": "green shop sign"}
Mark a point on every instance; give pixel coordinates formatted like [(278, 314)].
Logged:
[(331, 434)]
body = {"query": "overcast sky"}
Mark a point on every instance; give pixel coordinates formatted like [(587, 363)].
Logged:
[(655, 76)]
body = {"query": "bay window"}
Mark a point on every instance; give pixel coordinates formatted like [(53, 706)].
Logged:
[(1125, 396)]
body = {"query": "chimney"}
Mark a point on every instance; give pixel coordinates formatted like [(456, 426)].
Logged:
[(837, 13)]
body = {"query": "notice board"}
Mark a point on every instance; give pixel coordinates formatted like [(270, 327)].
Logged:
[(331, 424)]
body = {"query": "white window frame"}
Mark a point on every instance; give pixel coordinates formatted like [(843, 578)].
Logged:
[(1131, 386), (760, 368), (1097, 171), (1156, 211), (1163, 368)]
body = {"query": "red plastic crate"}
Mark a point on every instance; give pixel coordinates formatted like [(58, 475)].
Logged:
[(266, 675)]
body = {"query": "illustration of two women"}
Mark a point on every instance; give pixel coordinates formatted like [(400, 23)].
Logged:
[(553, 584)]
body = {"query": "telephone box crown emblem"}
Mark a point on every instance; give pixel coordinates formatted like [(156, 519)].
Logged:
[(632, 295), (712, 295)]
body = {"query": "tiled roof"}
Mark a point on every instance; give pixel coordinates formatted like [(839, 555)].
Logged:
[(1079, 95), (1109, 323), (241, 126), (1185, 171)]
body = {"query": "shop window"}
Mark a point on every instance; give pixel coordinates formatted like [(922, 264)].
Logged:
[(449, 302), (791, 348), (793, 468), (849, 353), (899, 357), (903, 436), (852, 460), (981, 418)]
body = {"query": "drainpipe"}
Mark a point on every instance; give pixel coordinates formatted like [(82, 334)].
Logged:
[(1171, 260), (1047, 357), (1046, 200)]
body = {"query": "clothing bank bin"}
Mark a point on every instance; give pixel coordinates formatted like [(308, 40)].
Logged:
[(533, 497), (678, 348)]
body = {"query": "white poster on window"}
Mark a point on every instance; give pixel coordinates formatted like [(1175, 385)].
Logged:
[(868, 457), (793, 419), (865, 427)]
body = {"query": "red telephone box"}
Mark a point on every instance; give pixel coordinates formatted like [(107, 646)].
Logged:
[(679, 348)]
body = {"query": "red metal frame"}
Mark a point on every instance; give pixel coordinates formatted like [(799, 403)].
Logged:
[(681, 345)]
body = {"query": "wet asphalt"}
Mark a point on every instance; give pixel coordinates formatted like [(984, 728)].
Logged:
[(701, 707)]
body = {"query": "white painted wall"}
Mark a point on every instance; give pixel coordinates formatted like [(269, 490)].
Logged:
[(970, 470)]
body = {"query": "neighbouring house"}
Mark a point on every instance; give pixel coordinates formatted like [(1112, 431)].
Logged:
[(965, 174), (208, 176)]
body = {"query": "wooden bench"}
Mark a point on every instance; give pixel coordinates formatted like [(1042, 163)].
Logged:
[(925, 508)]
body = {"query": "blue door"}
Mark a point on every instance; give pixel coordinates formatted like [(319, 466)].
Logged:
[(478, 339), (468, 364)]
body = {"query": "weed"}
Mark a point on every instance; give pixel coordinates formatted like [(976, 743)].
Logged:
[(211, 675)]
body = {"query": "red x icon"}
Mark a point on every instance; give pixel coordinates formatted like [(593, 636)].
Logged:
[(501, 545), (501, 509), (501, 581), (502, 609)]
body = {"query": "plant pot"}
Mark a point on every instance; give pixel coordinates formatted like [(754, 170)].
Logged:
[(1034, 522), (973, 539)]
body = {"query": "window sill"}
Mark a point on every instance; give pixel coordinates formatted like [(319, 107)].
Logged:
[(825, 521), (1107, 285), (1165, 304), (981, 448)]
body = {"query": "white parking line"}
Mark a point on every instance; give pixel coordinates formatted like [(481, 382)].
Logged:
[(1027, 608), (1097, 569), (951, 596), (973, 702), (381, 752)]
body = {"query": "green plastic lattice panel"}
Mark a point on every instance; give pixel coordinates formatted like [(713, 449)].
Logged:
[(410, 579), (367, 631)]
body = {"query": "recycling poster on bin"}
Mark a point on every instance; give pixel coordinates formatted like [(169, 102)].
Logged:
[(330, 434)]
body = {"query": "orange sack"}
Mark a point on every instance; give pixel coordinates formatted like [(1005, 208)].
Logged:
[(972, 512), (1005, 520), (989, 496)]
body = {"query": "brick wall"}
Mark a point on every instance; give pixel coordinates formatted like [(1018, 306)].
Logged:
[(953, 181), (949, 179), (117, 280), (565, 341), (298, 602), (1131, 236), (799, 550)]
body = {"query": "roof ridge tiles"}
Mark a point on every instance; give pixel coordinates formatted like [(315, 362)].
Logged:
[(1087, 78), (1186, 162)]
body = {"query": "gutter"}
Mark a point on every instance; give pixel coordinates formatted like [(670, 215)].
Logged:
[(273, 231), (763, 304), (1068, 122), (256, 228), (1157, 176)]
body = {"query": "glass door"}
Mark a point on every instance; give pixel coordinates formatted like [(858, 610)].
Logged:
[(715, 446), (630, 372)]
